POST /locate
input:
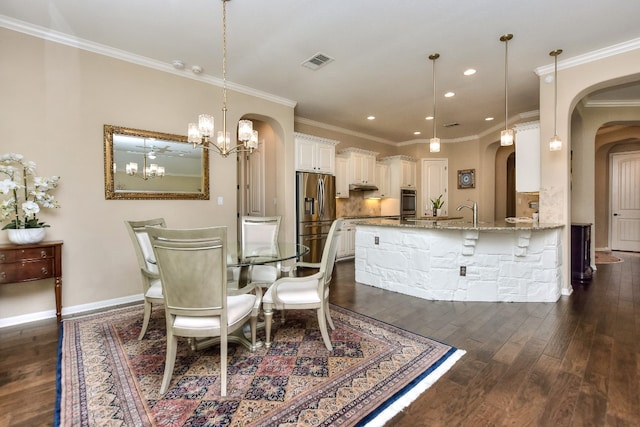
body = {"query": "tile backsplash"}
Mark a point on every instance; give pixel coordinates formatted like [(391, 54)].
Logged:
[(357, 205)]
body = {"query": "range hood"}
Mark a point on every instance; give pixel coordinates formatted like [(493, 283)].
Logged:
[(362, 187)]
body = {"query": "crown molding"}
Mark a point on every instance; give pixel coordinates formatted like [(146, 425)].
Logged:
[(612, 103), (592, 56), (309, 122), (100, 49)]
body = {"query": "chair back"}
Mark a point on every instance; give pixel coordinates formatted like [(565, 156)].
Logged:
[(142, 244), (330, 250), (193, 269), (260, 235)]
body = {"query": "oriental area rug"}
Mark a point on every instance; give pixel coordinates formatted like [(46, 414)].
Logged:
[(107, 377)]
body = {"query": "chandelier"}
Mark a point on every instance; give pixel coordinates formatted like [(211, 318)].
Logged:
[(434, 143), (507, 135), (148, 171), (202, 133)]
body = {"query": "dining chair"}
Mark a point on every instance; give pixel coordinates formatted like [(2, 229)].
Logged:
[(193, 270), (260, 237), (307, 292), (151, 286)]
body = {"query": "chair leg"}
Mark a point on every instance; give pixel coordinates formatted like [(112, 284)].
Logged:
[(145, 319), (268, 317), (170, 360), (223, 364), (253, 321), (328, 315), (323, 329)]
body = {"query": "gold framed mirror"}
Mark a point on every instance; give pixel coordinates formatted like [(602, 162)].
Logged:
[(142, 164)]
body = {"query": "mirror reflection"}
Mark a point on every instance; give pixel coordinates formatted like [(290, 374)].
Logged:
[(142, 164)]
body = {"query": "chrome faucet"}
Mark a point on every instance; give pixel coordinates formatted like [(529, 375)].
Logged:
[(474, 209)]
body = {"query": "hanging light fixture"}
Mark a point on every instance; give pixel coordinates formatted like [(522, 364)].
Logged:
[(507, 135), (201, 133), (555, 144), (434, 143)]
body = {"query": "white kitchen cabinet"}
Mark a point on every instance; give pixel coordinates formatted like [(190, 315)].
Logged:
[(382, 182), (361, 165), (342, 178), (528, 157), (402, 173), (315, 154), (347, 242)]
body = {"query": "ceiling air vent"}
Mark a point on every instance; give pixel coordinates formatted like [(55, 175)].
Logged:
[(316, 61), (450, 125)]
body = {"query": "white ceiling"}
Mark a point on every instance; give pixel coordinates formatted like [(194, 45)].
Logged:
[(380, 51)]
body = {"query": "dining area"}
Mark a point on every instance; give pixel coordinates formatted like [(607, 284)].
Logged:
[(215, 292)]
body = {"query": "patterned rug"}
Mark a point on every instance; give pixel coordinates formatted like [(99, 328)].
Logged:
[(108, 377)]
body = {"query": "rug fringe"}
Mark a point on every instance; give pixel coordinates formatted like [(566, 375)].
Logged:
[(411, 395)]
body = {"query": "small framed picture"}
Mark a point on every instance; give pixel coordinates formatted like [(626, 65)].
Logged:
[(467, 178)]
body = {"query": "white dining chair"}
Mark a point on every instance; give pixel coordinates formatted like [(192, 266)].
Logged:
[(260, 237), (193, 270)]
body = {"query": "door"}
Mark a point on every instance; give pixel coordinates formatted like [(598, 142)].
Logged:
[(256, 182), (625, 201), (435, 181)]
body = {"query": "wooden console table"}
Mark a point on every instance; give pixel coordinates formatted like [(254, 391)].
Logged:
[(25, 263)]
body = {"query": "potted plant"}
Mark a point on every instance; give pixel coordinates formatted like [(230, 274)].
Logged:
[(25, 193), (437, 204)]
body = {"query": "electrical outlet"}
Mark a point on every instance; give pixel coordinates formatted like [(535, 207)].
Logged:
[(376, 240), (463, 270)]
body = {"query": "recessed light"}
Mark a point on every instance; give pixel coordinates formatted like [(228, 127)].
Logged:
[(488, 119), (371, 118), (417, 132), (429, 118), (470, 72), (449, 94)]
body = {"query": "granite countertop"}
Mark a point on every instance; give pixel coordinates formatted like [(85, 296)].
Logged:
[(372, 217), (459, 225)]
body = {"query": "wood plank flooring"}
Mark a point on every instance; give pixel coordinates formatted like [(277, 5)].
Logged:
[(571, 363)]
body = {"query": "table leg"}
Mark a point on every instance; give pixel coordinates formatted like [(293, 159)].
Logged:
[(58, 292)]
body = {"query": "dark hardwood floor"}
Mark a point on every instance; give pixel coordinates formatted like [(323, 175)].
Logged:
[(571, 363)]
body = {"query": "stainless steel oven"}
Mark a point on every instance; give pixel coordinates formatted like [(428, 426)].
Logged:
[(407, 203)]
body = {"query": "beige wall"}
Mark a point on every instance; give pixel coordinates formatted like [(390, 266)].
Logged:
[(56, 100)]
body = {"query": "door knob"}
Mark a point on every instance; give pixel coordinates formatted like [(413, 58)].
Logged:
[(615, 214)]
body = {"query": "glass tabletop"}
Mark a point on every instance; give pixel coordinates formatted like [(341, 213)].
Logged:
[(256, 255)]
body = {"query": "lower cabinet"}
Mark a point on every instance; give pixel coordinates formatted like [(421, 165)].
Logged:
[(347, 241)]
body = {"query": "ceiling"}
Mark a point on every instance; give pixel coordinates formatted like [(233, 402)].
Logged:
[(379, 48)]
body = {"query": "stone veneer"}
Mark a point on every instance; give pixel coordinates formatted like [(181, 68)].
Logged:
[(509, 265)]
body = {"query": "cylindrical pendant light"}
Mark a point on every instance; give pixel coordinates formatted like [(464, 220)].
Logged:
[(434, 143), (507, 135), (555, 144)]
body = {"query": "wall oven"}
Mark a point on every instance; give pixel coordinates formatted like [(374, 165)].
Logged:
[(407, 203)]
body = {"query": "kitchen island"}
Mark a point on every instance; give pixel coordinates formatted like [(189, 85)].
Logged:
[(457, 261)]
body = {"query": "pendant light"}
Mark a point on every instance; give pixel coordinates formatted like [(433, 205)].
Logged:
[(434, 143), (202, 133), (555, 144), (507, 135)]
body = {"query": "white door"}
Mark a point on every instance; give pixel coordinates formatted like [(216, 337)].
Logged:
[(255, 182), (435, 181), (625, 201)]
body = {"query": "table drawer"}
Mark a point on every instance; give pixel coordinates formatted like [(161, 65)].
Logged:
[(33, 270), (8, 256)]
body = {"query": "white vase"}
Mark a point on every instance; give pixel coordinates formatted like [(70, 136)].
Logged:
[(26, 236)]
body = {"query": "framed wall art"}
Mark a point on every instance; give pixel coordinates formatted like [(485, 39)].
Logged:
[(466, 178)]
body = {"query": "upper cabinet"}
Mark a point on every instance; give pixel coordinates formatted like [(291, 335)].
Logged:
[(402, 173), (361, 165), (528, 157), (382, 182), (315, 154), (342, 179)]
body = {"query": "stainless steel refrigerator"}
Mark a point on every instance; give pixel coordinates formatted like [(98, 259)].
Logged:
[(315, 211)]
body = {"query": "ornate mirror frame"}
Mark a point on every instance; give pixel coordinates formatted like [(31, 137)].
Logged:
[(186, 168)]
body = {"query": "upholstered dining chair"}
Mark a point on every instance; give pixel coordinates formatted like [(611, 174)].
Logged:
[(151, 287), (193, 272), (308, 292), (260, 237)]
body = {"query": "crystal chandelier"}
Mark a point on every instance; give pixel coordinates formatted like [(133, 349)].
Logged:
[(202, 133), (555, 144), (507, 135), (434, 143)]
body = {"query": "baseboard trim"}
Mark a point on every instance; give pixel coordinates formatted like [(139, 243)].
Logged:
[(69, 311)]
